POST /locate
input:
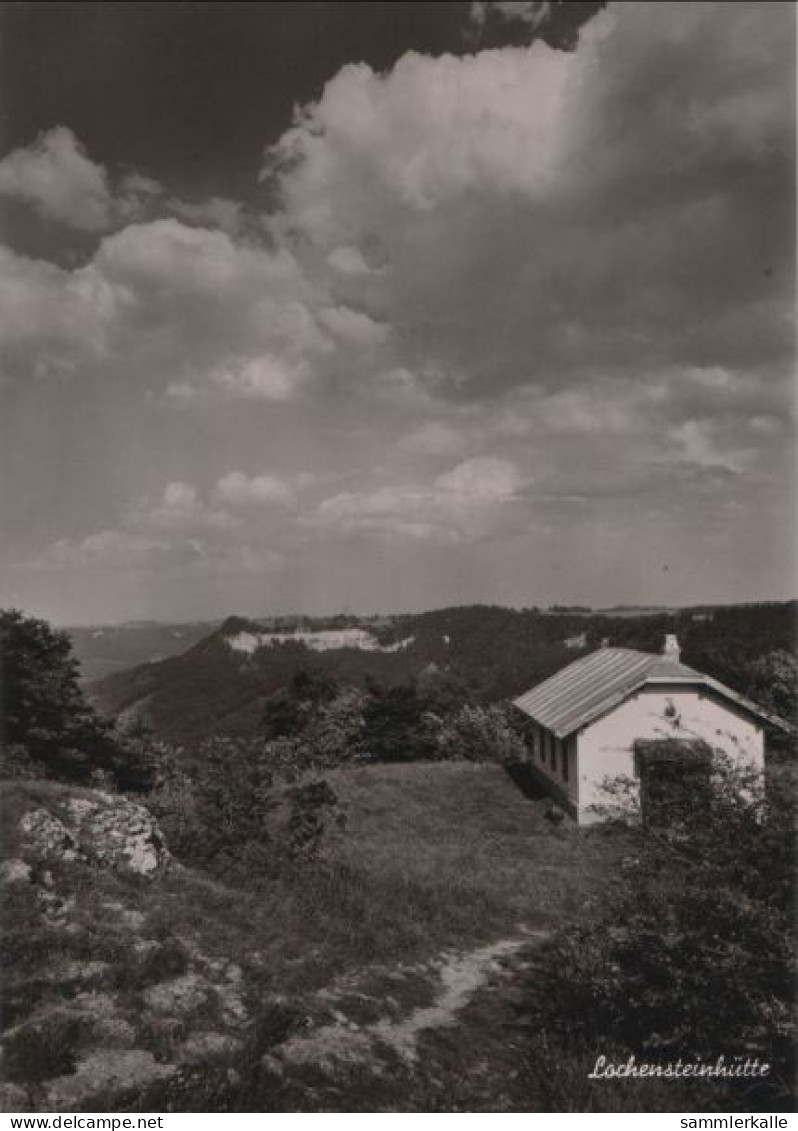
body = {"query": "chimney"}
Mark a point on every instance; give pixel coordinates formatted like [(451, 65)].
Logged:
[(671, 650)]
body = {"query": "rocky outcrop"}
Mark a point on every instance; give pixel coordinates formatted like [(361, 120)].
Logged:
[(104, 1071), (15, 872), (103, 996), (44, 837), (99, 829)]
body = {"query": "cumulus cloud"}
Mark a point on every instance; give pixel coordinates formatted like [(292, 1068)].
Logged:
[(175, 259), (433, 438), (353, 326), (348, 261), (181, 558), (697, 442), (179, 498), (481, 480), (180, 508), (538, 214), (182, 530), (602, 407), (509, 217), (266, 378), (181, 392), (106, 550), (172, 306), (576, 261), (531, 13), (186, 311), (420, 137), (458, 505), (237, 489), (556, 22), (613, 437), (57, 178), (51, 320)]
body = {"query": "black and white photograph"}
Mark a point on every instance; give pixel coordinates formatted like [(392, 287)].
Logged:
[(398, 559)]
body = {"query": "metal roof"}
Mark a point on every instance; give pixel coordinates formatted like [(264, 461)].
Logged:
[(590, 686)]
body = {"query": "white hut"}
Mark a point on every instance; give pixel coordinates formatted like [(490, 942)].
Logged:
[(584, 721)]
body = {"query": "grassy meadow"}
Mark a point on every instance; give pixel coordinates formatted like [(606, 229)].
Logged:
[(433, 881)]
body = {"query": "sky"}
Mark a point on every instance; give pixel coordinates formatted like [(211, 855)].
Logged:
[(326, 307)]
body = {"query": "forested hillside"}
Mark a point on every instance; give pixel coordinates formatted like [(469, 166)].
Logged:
[(482, 654)]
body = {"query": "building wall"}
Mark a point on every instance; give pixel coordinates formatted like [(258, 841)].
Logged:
[(563, 774), (605, 747)]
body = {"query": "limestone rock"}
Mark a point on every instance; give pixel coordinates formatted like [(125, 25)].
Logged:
[(76, 971), (104, 1071), (119, 834), (56, 910), (125, 916), (178, 996), (15, 872), (45, 836), (101, 829), (205, 1044)]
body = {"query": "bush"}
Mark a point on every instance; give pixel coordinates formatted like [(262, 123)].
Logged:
[(398, 725), (694, 956), (480, 734), (40, 1050), (215, 805), (312, 806)]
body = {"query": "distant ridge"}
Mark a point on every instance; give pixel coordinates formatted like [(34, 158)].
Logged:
[(219, 682)]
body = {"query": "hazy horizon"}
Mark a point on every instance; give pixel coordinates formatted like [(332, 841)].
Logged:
[(328, 306), (364, 615)]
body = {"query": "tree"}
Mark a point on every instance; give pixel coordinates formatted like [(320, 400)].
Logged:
[(396, 725), (773, 682), (289, 711), (45, 715)]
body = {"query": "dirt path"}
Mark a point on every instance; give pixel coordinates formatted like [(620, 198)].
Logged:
[(458, 978)]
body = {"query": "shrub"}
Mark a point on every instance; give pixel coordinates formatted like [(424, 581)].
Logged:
[(694, 955), (480, 734), (222, 805), (398, 726), (334, 735), (312, 805), (41, 1050)]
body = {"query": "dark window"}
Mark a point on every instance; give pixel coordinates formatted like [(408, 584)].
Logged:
[(564, 761), (552, 752)]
